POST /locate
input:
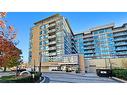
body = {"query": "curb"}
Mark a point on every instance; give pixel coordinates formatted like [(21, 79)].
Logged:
[(120, 80), (43, 80)]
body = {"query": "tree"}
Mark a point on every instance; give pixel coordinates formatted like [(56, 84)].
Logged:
[(9, 53)]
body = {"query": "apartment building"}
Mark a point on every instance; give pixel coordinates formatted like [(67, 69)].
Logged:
[(60, 48), (105, 41), (54, 40)]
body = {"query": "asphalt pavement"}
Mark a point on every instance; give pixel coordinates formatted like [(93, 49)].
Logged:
[(63, 77)]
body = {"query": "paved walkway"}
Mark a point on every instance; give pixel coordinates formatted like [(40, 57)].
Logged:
[(6, 73), (59, 77)]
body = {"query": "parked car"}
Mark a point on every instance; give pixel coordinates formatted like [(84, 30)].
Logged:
[(104, 72)]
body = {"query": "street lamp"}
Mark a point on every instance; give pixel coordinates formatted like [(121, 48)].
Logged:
[(34, 65)]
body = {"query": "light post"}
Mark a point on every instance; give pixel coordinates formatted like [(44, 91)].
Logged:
[(34, 66)]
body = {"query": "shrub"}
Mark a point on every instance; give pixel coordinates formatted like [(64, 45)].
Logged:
[(21, 79), (120, 73)]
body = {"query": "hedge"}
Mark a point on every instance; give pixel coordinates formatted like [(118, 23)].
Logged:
[(120, 73), (21, 79)]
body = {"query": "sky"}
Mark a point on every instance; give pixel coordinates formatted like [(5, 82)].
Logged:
[(79, 22)]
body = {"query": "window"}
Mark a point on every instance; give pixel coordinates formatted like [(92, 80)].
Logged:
[(41, 43), (41, 33)]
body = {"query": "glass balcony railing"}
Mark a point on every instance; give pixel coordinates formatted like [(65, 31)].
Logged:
[(87, 36), (51, 25), (88, 43), (53, 30), (89, 55), (52, 48), (53, 42), (118, 53), (121, 43), (120, 34), (121, 48), (89, 51), (88, 47), (119, 39), (52, 54), (50, 37), (86, 40)]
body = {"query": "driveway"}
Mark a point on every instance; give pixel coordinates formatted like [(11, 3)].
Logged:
[(63, 77)]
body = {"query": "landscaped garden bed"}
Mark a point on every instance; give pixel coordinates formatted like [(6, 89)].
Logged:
[(21, 78), (120, 73)]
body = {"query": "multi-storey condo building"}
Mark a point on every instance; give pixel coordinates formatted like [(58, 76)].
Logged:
[(105, 41), (60, 48), (54, 39)]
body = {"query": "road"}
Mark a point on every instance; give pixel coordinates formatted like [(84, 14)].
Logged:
[(59, 77)]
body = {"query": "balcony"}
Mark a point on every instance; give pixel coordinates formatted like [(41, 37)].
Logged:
[(51, 25), (53, 36), (52, 30), (121, 49), (121, 53), (52, 54), (53, 42), (87, 36), (90, 51), (120, 34), (89, 43), (87, 40), (52, 48), (88, 48), (120, 39), (120, 44)]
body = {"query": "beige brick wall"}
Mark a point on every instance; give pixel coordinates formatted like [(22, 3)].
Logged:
[(35, 47), (104, 63)]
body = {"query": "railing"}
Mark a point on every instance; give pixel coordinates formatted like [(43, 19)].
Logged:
[(89, 51), (88, 43), (119, 39), (52, 54), (53, 42), (52, 48), (121, 49), (86, 36), (122, 43), (120, 34), (88, 47), (52, 25), (50, 37), (85, 40), (53, 30), (121, 53)]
